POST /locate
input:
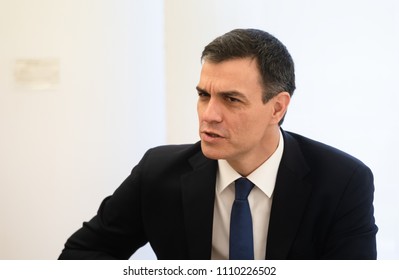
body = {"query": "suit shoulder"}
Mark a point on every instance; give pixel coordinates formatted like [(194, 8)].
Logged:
[(181, 150), (168, 163), (317, 152), (171, 156)]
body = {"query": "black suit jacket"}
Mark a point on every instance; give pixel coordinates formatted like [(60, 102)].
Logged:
[(322, 207)]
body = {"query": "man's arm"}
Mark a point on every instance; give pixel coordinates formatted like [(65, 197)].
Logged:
[(116, 232), (353, 233)]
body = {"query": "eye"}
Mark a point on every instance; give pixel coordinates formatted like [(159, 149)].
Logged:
[(202, 94), (231, 99)]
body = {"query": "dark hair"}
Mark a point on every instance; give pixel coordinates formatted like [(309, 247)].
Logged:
[(274, 61)]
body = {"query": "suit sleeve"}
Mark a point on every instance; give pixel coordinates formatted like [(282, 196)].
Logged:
[(116, 232), (353, 233)]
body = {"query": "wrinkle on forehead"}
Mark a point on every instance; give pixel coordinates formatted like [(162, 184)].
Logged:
[(236, 75)]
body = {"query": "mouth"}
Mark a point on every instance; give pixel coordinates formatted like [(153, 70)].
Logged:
[(210, 136), (213, 135)]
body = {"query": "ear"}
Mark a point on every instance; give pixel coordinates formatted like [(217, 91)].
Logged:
[(281, 102)]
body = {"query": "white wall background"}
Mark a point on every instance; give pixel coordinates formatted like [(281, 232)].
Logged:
[(62, 151)]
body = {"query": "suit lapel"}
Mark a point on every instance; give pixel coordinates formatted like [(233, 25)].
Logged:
[(198, 193), (289, 200)]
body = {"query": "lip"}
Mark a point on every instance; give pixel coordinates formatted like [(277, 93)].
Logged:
[(210, 136)]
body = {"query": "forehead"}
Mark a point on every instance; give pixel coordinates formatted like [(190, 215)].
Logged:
[(238, 74)]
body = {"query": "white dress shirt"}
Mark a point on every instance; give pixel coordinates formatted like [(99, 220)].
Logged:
[(260, 202)]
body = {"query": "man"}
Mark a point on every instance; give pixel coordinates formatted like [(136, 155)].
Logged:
[(306, 200)]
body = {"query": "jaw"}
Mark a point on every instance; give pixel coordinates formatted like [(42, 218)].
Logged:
[(242, 160), (212, 150)]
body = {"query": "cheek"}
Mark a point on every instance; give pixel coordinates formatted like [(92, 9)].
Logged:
[(254, 126), (240, 125)]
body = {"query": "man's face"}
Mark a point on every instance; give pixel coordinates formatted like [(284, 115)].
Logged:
[(234, 123)]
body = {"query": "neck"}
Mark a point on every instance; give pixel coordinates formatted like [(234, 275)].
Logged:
[(245, 166)]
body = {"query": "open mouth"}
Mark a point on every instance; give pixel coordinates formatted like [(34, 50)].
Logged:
[(213, 135), (209, 135)]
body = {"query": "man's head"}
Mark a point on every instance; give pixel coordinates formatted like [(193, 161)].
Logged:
[(274, 62), (246, 82)]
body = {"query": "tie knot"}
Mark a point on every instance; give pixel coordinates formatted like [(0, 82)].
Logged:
[(243, 187)]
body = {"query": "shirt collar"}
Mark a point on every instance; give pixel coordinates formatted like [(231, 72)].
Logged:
[(264, 177)]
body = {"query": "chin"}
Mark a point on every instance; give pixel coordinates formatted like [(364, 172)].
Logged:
[(211, 152)]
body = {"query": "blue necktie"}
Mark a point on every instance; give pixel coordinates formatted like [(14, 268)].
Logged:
[(241, 235)]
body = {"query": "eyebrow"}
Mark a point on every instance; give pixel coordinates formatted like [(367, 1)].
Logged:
[(230, 93), (200, 89)]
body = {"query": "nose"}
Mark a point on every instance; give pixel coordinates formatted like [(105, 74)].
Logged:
[(210, 111)]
